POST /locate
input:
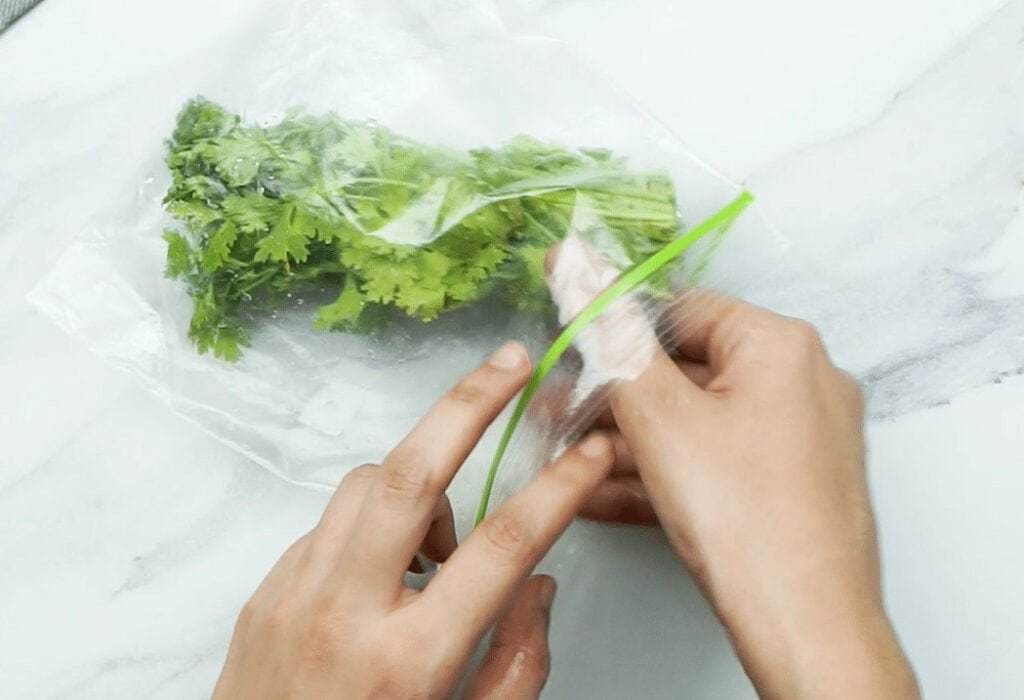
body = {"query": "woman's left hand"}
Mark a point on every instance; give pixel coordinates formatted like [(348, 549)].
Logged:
[(334, 617)]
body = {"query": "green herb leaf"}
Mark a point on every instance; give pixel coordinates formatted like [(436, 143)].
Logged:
[(179, 254), (285, 240), (344, 311), (317, 201), (218, 247)]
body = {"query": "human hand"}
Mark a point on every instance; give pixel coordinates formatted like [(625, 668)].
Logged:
[(334, 618), (750, 451)]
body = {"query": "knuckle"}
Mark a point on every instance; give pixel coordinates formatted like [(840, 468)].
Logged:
[(734, 316), (367, 471), (248, 613), (470, 390), (508, 534), (802, 333), (360, 476), (406, 479), (275, 618), (791, 342)]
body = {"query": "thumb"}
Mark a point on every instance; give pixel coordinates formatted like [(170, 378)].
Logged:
[(517, 661), (655, 398)]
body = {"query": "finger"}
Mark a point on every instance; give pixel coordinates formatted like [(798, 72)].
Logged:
[(331, 534), (625, 463), (440, 540), (551, 398), (490, 564), (620, 340), (650, 403), (398, 510), (518, 659), (622, 501), (605, 420), (710, 326), (697, 372), (645, 400), (347, 499)]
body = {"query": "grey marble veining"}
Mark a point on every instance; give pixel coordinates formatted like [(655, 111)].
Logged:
[(890, 253), (11, 10)]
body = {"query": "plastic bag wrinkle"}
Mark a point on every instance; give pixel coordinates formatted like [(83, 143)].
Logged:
[(310, 405)]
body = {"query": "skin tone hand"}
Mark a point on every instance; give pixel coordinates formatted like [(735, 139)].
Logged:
[(749, 450), (334, 618)]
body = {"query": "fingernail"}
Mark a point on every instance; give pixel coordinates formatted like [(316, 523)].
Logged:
[(508, 356), (547, 592), (594, 446)]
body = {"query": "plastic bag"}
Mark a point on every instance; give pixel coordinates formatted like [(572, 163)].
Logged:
[(462, 101)]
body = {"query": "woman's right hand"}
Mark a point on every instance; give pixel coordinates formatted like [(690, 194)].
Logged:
[(750, 450)]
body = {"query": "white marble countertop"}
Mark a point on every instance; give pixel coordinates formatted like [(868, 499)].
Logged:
[(886, 139)]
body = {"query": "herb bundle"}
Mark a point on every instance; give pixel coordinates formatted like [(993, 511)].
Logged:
[(393, 225)]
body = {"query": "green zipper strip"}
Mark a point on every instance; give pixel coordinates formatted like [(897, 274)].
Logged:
[(625, 283)]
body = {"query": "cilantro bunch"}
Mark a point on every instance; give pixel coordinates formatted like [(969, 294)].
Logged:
[(393, 226)]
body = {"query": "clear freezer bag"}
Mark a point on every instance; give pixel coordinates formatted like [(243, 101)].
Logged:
[(355, 215)]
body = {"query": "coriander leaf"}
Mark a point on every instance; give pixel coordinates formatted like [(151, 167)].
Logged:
[(345, 310), (227, 342), (250, 212), (239, 156), (179, 254), (284, 241), (218, 247), (432, 264), (201, 119), (424, 300), (195, 214), (382, 281)]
